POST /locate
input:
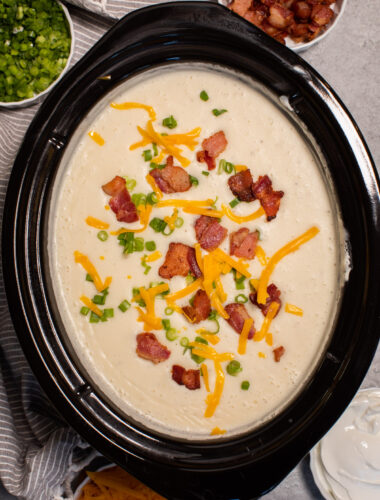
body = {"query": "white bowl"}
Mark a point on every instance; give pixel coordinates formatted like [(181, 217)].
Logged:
[(338, 8), (38, 97)]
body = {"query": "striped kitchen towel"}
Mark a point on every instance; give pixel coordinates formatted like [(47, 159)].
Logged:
[(38, 451)]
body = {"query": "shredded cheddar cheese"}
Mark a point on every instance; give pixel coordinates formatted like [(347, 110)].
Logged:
[(262, 355), (106, 207), (210, 337), (269, 339), (172, 297), (198, 256), (261, 255), (213, 399), (292, 309), (153, 256), (97, 138), (98, 224), (170, 220), (153, 184), (243, 337), (254, 283), (89, 267), (184, 203), (144, 212), (216, 431), (240, 266), (240, 168), (240, 219), (93, 307), (205, 376), (203, 211), (272, 310), (290, 247), (135, 105), (151, 321), (208, 352)]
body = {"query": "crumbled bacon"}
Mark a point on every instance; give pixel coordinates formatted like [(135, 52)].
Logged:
[(120, 201), (189, 378), (274, 296), (243, 243), (302, 20), (278, 353), (241, 185), (209, 232), (237, 315), (176, 261), (212, 147), (201, 308), (270, 200), (148, 347), (171, 179), (194, 268)]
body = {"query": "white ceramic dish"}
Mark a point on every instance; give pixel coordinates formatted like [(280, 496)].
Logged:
[(37, 98), (338, 8)]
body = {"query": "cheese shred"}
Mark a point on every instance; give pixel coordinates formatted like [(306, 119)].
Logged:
[(243, 337), (89, 267)]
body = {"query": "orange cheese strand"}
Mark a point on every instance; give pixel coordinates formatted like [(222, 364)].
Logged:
[(145, 211), (172, 297), (261, 255), (151, 181), (98, 224), (213, 399), (85, 262), (269, 339), (93, 307), (203, 211), (153, 256), (216, 431), (150, 321), (262, 355), (224, 258), (184, 203), (272, 310), (198, 256), (170, 220), (205, 376), (240, 168), (135, 105), (243, 337), (292, 309), (216, 304), (149, 318), (97, 138), (290, 247), (240, 219), (212, 338)]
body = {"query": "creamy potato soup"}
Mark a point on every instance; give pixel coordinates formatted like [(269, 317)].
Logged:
[(194, 252)]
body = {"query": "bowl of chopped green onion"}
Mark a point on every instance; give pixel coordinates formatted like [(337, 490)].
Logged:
[(36, 47)]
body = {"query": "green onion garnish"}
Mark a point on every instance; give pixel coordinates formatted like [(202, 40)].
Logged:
[(204, 96), (167, 231), (84, 310), (156, 165), (138, 244), (136, 291), (241, 298), (139, 199), (108, 313), (150, 246), (195, 357), (171, 334), (155, 149), (184, 342), (130, 183), (194, 181), (178, 222), (147, 155), (102, 235), (189, 279), (234, 367), (152, 198), (94, 318), (169, 122), (166, 324), (99, 300), (169, 311), (245, 385), (124, 306), (88, 277), (205, 172), (226, 166), (239, 282), (218, 112), (157, 224), (234, 202)]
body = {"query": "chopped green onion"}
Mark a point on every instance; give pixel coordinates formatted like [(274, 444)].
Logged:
[(241, 298), (205, 172), (245, 385), (213, 318), (195, 357), (171, 334), (226, 166), (204, 96), (218, 112), (124, 306), (184, 342), (152, 198), (234, 367), (156, 165), (166, 324), (145, 265), (108, 313), (130, 183), (234, 202), (127, 237), (138, 244), (155, 149), (164, 134), (189, 279), (157, 224), (84, 310), (150, 246), (102, 235), (169, 311), (94, 318), (88, 277), (136, 291), (239, 282), (167, 232), (213, 314), (194, 181), (147, 155), (169, 122), (178, 222), (139, 199), (129, 247), (99, 300)]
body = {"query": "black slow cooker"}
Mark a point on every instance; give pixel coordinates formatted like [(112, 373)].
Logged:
[(245, 466)]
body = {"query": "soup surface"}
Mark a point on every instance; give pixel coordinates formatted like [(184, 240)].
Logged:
[(194, 378)]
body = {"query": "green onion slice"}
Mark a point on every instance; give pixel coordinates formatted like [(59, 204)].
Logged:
[(234, 367), (150, 246), (169, 311), (204, 96), (178, 222), (124, 306), (102, 235), (169, 122), (245, 385), (218, 112), (241, 298)]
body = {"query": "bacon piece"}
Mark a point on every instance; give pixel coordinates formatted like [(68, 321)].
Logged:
[(240, 6), (209, 232), (321, 15), (176, 261), (243, 243), (278, 353), (255, 17), (192, 260), (189, 378), (241, 185), (237, 315), (302, 10), (274, 296), (148, 347), (120, 201), (171, 179), (269, 199), (201, 308), (212, 147), (280, 17)]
